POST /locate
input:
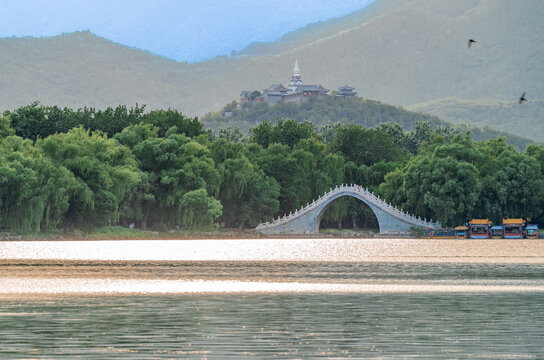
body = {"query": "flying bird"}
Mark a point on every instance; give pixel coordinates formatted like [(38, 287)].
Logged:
[(522, 98), (470, 41)]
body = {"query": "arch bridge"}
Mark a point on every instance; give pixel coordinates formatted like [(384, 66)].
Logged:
[(306, 220)]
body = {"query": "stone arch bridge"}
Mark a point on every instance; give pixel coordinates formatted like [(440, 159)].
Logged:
[(306, 220)]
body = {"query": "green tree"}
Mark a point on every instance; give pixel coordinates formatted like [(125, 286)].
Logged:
[(111, 120), (199, 209), (262, 134), (105, 170), (35, 120), (173, 166), (166, 119), (521, 185), (232, 135), (247, 194), (5, 127), (441, 182), (365, 146), (34, 191), (31, 121), (304, 173), (286, 132)]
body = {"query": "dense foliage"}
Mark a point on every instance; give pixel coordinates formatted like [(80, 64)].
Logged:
[(367, 113), (162, 170), (319, 112)]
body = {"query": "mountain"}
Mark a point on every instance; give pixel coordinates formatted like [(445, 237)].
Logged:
[(180, 30), (322, 30), (398, 52), (525, 119)]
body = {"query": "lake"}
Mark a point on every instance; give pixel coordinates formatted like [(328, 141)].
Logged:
[(272, 298)]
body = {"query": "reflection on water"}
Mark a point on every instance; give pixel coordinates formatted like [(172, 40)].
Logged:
[(430, 326), (343, 299), (38, 277), (393, 250)]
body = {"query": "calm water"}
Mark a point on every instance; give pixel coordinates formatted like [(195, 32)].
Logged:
[(329, 298)]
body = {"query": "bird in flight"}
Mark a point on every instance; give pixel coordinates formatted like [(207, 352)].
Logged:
[(522, 98), (470, 41)]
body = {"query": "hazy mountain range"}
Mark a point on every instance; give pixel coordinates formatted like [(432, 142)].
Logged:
[(400, 52), (180, 30)]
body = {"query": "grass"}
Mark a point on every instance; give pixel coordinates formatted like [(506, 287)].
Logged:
[(340, 232), (124, 233), (118, 232)]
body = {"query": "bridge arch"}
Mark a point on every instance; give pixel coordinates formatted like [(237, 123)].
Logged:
[(329, 201), (306, 219)]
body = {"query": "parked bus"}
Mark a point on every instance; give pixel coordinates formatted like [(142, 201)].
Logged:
[(479, 228), (513, 228)]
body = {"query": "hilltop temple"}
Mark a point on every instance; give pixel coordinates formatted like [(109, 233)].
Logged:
[(296, 92)]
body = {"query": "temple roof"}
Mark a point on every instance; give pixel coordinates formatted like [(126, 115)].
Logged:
[(274, 93), (512, 221), (312, 88), (480, 221), (275, 87)]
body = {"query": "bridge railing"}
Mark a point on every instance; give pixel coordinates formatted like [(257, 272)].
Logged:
[(375, 200)]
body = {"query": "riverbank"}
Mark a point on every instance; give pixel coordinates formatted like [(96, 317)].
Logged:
[(122, 233)]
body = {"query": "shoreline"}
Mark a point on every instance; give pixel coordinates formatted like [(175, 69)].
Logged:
[(130, 234)]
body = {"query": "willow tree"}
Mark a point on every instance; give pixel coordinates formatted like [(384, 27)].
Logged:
[(34, 191), (106, 172), (441, 182), (247, 194), (199, 210), (174, 165)]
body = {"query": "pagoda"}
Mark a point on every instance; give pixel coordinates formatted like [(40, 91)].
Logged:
[(296, 80), (296, 92), (346, 91)]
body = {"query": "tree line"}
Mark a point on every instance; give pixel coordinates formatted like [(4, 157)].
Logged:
[(331, 110), (80, 169)]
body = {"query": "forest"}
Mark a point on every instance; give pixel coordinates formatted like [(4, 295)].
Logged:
[(80, 169)]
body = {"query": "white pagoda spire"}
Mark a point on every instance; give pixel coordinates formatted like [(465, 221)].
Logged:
[(296, 80)]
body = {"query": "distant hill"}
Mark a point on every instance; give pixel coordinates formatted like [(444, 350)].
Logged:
[(399, 52), (80, 69), (180, 30), (321, 112), (323, 30), (525, 120)]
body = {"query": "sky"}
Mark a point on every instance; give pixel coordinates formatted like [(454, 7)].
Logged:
[(180, 30)]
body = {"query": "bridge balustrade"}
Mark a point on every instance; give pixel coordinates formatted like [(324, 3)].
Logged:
[(371, 199)]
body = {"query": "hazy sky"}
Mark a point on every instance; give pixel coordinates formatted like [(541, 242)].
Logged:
[(181, 30)]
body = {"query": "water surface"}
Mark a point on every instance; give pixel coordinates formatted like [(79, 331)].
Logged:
[(303, 298)]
